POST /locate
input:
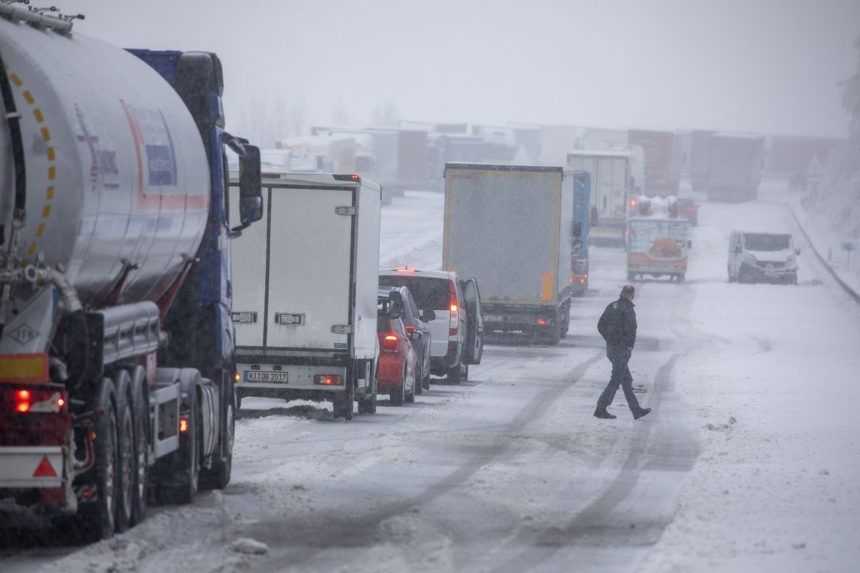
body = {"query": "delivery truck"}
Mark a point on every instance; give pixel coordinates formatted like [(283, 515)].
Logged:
[(735, 167), (511, 228), (116, 339), (609, 172), (305, 282), (657, 240), (663, 161)]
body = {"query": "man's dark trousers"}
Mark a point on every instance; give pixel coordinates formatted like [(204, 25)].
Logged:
[(619, 356)]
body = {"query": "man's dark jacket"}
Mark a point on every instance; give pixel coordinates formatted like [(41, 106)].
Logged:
[(617, 324)]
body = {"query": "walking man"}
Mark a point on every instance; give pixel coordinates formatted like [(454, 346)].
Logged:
[(617, 326)]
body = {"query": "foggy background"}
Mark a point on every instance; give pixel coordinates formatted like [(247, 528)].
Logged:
[(769, 66)]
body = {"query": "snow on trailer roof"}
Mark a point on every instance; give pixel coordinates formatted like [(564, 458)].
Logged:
[(503, 167), (293, 178), (621, 153)]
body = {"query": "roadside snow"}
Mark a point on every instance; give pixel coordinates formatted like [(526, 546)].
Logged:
[(776, 487)]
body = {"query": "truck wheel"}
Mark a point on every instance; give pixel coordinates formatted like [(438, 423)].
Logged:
[(680, 277), (99, 520), (140, 411), (565, 322), (182, 487), (125, 452), (222, 468), (367, 405), (465, 373), (455, 374)]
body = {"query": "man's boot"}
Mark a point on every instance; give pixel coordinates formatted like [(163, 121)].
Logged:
[(641, 413), (603, 414)]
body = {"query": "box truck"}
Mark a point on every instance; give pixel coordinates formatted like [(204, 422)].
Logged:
[(511, 227), (609, 171), (305, 289)]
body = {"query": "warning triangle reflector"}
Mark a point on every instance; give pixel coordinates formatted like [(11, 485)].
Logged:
[(45, 469)]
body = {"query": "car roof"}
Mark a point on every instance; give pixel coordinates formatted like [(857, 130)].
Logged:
[(411, 272)]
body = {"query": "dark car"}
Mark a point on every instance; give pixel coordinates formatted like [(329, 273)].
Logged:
[(418, 331), (395, 370)]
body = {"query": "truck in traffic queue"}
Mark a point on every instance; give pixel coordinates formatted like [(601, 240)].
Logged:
[(581, 232), (511, 227), (663, 158), (735, 164), (610, 172), (116, 342), (657, 240), (305, 281)]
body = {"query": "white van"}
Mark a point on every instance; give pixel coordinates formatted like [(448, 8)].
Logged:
[(759, 257)]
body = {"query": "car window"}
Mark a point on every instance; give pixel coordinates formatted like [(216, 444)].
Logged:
[(429, 293)]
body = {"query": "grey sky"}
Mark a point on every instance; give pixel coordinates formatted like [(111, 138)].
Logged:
[(751, 65)]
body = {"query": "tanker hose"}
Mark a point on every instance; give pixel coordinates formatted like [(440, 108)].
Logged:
[(67, 292)]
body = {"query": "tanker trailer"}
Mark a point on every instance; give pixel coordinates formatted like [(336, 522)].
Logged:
[(116, 340)]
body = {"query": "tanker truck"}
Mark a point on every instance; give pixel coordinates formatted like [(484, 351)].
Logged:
[(116, 341)]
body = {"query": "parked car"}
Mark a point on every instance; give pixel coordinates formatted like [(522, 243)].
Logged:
[(755, 257), (418, 331), (395, 373), (456, 325)]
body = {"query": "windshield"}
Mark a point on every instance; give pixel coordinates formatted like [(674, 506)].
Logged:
[(429, 293), (766, 242), (644, 233)]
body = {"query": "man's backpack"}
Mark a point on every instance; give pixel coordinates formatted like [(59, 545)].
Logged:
[(610, 324)]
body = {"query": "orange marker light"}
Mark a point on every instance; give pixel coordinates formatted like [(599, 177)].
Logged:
[(183, 424)]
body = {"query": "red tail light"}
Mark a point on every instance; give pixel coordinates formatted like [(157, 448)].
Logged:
[(391, 342), (22, 401), (328, 380), (542, 322), (453, 307), (36, 401)]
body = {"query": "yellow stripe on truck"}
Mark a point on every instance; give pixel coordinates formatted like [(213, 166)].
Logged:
[(548, 287), (24, 368)]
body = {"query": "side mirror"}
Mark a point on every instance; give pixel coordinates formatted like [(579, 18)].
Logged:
[(250, 182), (250, 186), (428, 315)]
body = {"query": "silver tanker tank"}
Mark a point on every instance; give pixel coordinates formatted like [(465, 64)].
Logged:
[(116, 172)]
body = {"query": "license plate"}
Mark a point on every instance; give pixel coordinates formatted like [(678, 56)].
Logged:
[(265, 376)]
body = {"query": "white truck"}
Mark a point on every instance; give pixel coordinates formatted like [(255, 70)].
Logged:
[(305, 285), (510, 227), (610, 172)]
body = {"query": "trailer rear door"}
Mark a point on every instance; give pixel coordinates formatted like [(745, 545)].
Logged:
[(310, 268)]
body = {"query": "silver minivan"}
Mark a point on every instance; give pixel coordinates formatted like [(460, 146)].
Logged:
[(456, 323), (762, 257)]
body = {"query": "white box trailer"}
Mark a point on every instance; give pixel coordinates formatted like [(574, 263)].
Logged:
[(305, 287), (510, 227), (610, 172)]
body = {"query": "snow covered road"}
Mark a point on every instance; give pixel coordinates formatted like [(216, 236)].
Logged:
[(749, 461)]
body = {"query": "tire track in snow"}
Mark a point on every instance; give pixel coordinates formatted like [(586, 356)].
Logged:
[(592, 519), (306, 538)]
